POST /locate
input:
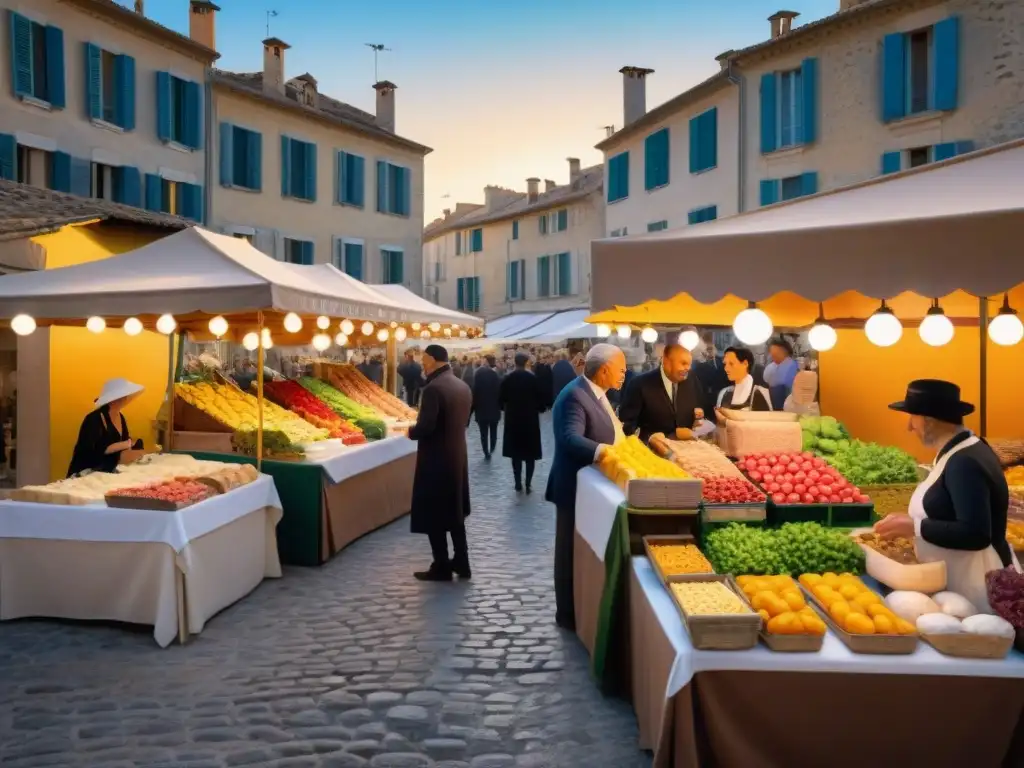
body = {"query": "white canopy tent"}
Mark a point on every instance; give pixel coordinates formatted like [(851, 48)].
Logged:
[(570, 324), (511, 326), (403, 297)]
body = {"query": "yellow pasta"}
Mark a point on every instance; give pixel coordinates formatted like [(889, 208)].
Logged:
[(708, 598), (675, 559)]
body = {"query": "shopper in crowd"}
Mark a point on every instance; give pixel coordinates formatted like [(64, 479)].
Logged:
[(710, 372), (542, 370), (780, 372), (486, 386), (523, 399), (469, 370), (440, 493), (458, 365), (663, 401), (104, 435), (584, 425), (742, 394), (561, 374), (411, 374), (375, 370)]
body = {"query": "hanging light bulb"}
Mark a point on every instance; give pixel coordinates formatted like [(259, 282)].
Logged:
[(265, 339), (341, 339), (424, 334), (96, 324), (623, 331), (462, 334), (251, 341), (323, 322), (347, 327), (218, 326), (434, 327), (23, 325), (382, 334), (752, 326), (1005, 329), (822, 336), (448, 333), (689, 340), (292, 323), (133, 326), (936, 330), (367, 328), (166, 324), (416, 326), (321, 342), (603, 331), (648, 335), (394, 324), (400, 334), (883, 328)]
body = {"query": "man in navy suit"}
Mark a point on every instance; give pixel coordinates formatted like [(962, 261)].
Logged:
[(584, 424), (562, 374)]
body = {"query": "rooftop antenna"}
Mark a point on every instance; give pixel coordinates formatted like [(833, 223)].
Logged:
[(608, 130), (270, 15), (377, 48)]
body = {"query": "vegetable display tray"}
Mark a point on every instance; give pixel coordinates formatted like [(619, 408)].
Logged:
[(922, 577), (733, 513), (890, 499), (649, 493), (965, 645), (830, 515), (891, 645), (727, 632), (652, 541), (802, 643)]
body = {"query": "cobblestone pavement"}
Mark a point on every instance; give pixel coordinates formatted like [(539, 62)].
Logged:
[(353, 664)]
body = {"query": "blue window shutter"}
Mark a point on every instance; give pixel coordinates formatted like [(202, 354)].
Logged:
[(163, 106), (515, 230), (397, 267), (963, 147), (60, 171), (129, 186), (382, 186), (695, 126), (306, 252), (563, 219), (809, 183), (711, 213), (55, 67), (542, 223), (894, 85), (194, 194), (509, 271), (81, 177), (891, 162), (477, 244), (93, 81), (693, 217), (624, 175), (618, 178), (21, 54), (340, 176), (769, 110), (353, 264), (309, 172), (946, 58), (254, 158), (564, 274), (944, 151), (8, 157), (650, 163), (227, 154), (193, 115), (154, 192), (809, 84), (769, 191), (406, 192), (709, 136), (357, 173), (286, 166), (124, 77)]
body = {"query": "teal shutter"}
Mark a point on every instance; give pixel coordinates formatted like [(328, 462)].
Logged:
[(894, 85), (477, 244), (93, 82), (809, 85), (618, 177), (710, 213), (81, 177), (693, 217), (55, 67), (406, 188), (353, 264), (563, 219), (306, 252), (382, 187), (709, 139), (695, 144), (515, 230), (254, 160), (181, 201), (944, 151), (164, 118), (357, 180), (623, 176), (769, 191), (124, 79), (564, 274), (286, 166), (393, 267), (809, 183), (21, 54), (60, 171), (769, 112), (946, 59), (460, 299), (476, 294), (656, 159), (193, 122), (309, 171), (128, 186), (891, 162), (542, 223), (194, 202), (154, 192), (8, 157), (340, 177), (227, 154)]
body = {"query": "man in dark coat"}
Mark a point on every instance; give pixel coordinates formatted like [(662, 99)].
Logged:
[(411, 373), (663, 401), (562, 373), (486, 406), (542, 370), (440, 491), (523, 399)]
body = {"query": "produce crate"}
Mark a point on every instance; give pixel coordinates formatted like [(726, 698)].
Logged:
[(921, 577), (732, 632), (892, 645), (783, 643), (659, 522), (797, 513), (845, 515), (652, 541), (964, 645), (664, 494), (733, 513), (890, 499)]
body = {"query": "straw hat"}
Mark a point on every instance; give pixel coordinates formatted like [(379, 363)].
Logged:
[(115, 389)]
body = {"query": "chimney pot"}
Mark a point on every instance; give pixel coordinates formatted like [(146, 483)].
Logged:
[(385, 117), (139, 9), (273, 65), (201, 22), (574, 169), (532, 189), (447, 212), (723, 58), (548, 185), (634, 93), (782, 22)]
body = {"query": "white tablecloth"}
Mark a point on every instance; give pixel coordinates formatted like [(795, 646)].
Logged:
[(597, 502), (833, 657), (350, 460)]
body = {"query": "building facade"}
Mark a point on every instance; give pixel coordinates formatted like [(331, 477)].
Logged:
[(518, 252), (100, 101)]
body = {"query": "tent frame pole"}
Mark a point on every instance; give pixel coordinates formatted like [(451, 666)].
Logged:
[(171, 365), (983, 366), (259, 393)]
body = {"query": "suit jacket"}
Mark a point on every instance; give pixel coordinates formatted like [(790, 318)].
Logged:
[(486, 386), (647, 408), (580, 424), (562, 373)]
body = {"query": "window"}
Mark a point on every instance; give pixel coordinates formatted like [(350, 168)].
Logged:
[(515, 280), (241, 158), (35, 167), (110, 87), (298, 169), (515, 230), (298, 251), (542, 223), (919, 156), (920, 70), (247, 236), (618, 177), (392, 266), (657, 226), (476, 241), (468, 294), (394, 189), (563, 274), (349, 258), (179, 111), (773, 190), (561, 219), (790, 108), (620, 232), (543, 276), (919, 47), (792, 187), (656, 159), (704, 141), (37, 58), (128, 185), (103, 181), (351, 179), (700, 215), (458, 243), (439, 275)]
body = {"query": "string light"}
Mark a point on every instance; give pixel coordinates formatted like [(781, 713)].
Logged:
[(648, 335), (822, 337), (321, 342), (251, 341), (689, 339), (603, 331), (347, 327), (267, 342), (883, 328), (218, 326), (1005, 329), (623, 331), (752, 326), (367, 328), (292, 323), (936, 330), (400, 334), (96, 324), (382, 334), (23, 325), (166, 324), (323, 322), (341, 339), (133, 326)]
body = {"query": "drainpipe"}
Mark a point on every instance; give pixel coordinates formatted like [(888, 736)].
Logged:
[(208, 170), (741, 151)]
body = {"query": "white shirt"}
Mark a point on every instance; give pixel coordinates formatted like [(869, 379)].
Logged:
[(602, 397), (668, 385), (740, 394)]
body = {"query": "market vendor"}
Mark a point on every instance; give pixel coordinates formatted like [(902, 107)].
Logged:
[(104, 436), (958, 513), (742, 394)]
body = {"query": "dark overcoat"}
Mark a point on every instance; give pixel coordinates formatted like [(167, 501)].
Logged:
[(522, 399), (486, 393), (543, 373), (440, 491)]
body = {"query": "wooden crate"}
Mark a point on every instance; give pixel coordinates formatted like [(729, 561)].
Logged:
[(680, 539), (658, 522), (965, 645), (188, 418), (204, 442), (734, 632), (649, 493), (875, 644), (783, 643), (733, 513)]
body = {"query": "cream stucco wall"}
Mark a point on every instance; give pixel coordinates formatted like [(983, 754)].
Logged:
[(324, 220), (851, 134), (685, 191), (69, 129)]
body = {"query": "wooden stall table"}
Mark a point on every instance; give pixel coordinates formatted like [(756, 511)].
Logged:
[(169, 570)]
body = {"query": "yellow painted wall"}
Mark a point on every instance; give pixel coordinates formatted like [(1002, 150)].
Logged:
[(80, 361)]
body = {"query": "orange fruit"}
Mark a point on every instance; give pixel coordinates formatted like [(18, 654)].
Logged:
[(884, 625), (777, 606), (810, 580), (839, 611), (858, 608), (764, 615), (904, 627), (878, 609), (813, 625), (859, 624), (787, 623), (794, 599), (867, 598)]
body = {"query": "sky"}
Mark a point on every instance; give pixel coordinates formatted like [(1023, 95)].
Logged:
[(500, 90)]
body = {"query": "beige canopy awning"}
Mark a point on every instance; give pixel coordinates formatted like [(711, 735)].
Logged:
[(932, 230)]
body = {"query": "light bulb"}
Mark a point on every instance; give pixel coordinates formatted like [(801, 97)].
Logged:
[(936, 330), (292, 323), (367, 328), (462, 334), (394, 324), (603, 331), (416, 326), (434, 327), (96, 324), (166, 324), (623, 331), (382, 334), (323, 322), (752, 326), (347, 327), (321, 342), (23, 325), (133, 326), (648, 335), (822, 337), (251, 341), (1004, 330), (448, 333), (218, 326), (400, 334), (883, 328), (341, 339), (689, 340), (424, 334), (266, 341)]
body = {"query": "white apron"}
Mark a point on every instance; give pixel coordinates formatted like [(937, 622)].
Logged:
[(965, 570)]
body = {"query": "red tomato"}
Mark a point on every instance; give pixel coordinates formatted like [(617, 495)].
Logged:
[(808, 498), (783, 458), (800, 488), (818, 463), (779, 498), (835, 498), (750, 464), (792, 467), (813, 475), (862, 498), (846, 492), (824, 489), (786, 488), (762, 462), (793, 498), (755, 475), (774, 487), (799, 477), (768, 477), (806, 466), (807, 455)]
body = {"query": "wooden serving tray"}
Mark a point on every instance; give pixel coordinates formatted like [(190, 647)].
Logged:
[(892, 645), (732, 632), (156, 505), (965, 645), (678, 539), (733, 513), (783, 643)]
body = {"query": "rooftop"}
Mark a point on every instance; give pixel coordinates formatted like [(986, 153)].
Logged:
[(120, 14)]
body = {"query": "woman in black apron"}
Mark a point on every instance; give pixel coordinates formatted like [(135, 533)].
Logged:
[(742, 394), (104, 435)]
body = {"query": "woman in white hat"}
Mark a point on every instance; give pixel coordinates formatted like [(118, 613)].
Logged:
[(104, 431)]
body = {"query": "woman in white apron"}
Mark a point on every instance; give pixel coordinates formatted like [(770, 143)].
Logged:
[(742, 394), (958, 513)]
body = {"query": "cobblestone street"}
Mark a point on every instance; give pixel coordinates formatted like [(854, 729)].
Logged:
[(353, 664)]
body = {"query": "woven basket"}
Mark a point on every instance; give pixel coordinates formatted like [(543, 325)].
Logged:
[(648, 493), (871, 644), (890, 499), (733, 632), (802, 643), (965, 645)]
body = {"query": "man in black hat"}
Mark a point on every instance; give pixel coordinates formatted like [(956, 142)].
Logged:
[(440, 492)]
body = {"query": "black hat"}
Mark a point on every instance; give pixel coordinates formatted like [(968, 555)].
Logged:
[(436, 351), (935, 398)]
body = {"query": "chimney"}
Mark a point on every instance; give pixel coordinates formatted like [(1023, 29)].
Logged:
[(139, 9), (201, 16), (574, 169), (273, 65), (549, 185), (723, 59), (634, 93), (782, 22), (447, 213), (385, 105), (532, 186)]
